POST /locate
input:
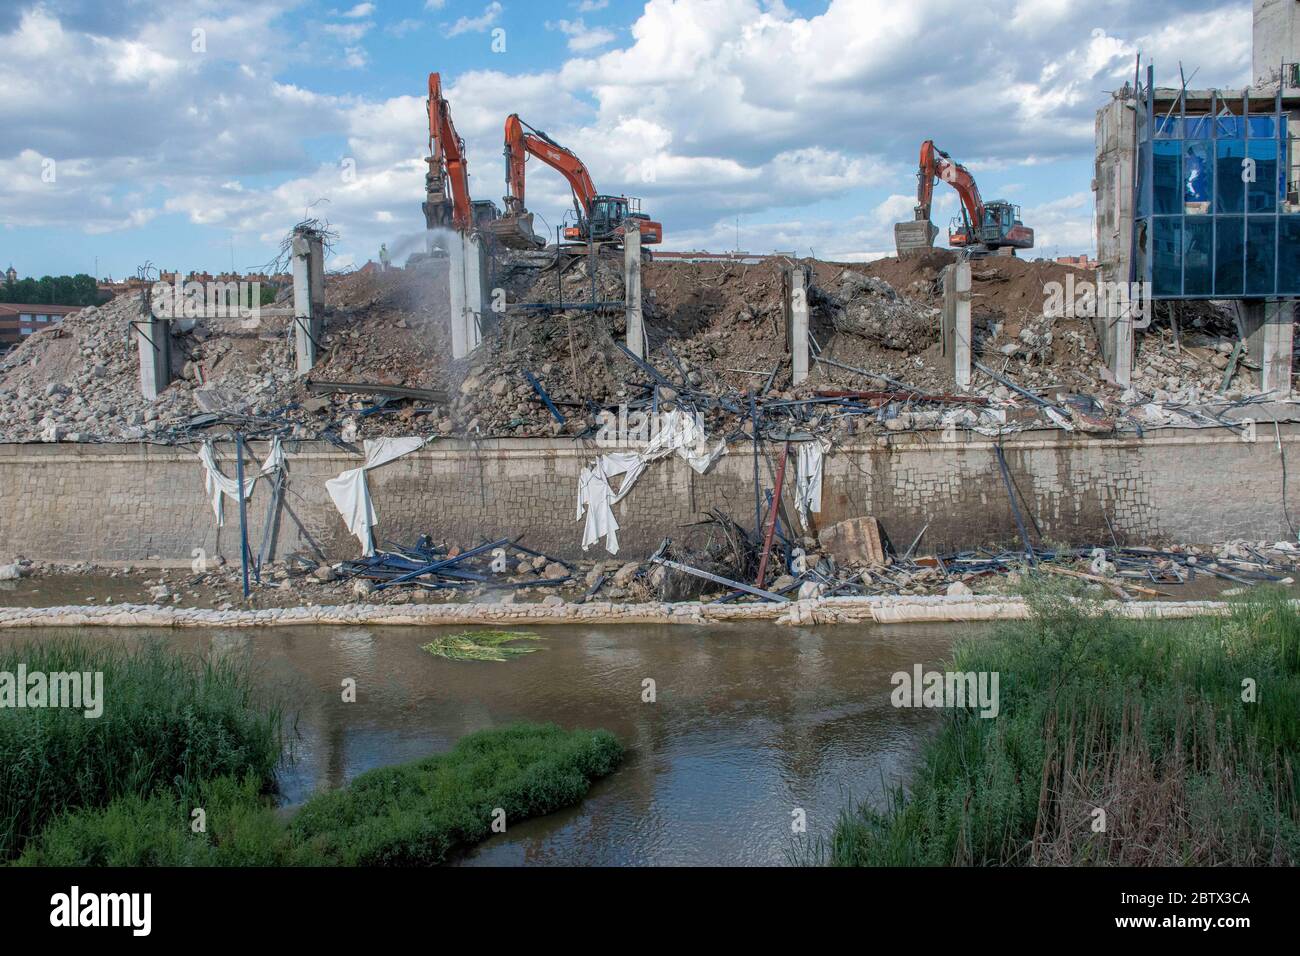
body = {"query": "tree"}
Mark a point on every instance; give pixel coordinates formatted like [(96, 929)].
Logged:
[(80, 289)]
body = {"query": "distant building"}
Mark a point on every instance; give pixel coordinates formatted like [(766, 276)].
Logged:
[(1079, 262), (18, 320), (11, 274)]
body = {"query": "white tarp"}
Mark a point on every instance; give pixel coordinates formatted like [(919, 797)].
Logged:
[(808, 480), (219, 485), (679, 432), (596, 497), (351, 495)]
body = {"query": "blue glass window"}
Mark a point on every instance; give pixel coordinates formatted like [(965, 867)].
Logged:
[(1288, 259), (1168, 177), (1263, 192), (1167, 270), (1261, 126), (1231, 196), (1198, 257), (1231, 127), (1169, 127), (1198, 177), (1229, 258), (1261, 250)]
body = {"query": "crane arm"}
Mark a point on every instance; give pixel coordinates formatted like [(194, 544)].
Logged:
[(936, 163), (447, 168), (520, 145)]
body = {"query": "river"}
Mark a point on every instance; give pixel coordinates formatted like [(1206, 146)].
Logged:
[(751, 727)]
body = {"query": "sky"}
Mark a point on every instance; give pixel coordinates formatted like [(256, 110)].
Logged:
[(194, 135)]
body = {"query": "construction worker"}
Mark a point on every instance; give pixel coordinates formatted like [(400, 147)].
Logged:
[(383, 257)]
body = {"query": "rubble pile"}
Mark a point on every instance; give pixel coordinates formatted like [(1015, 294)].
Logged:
[(551, 361), (79, 380)]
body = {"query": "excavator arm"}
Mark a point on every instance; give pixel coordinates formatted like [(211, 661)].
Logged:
[(520, 145), (447, 183), (935, 163)]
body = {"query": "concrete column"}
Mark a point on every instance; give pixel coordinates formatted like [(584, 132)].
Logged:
[(957, 321), (1276, 38), (308, 308), (632, 291), (153, 339), (797, 324), (468, 282), (317, 248), (1114, 327), (1269, 328), (1113, 184)]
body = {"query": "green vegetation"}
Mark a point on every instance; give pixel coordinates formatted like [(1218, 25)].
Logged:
[(1144, 720), (241, 829), (169, 722), (80, 289), (414, 814), (481, 645), (419, 813)]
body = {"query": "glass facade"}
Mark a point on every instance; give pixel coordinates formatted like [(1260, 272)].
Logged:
[(1212, 218)]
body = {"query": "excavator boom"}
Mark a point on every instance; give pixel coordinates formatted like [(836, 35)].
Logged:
[(447, 203), (599, 217)]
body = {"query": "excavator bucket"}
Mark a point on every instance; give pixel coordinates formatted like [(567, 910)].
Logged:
[(914, 236), (516, 232)]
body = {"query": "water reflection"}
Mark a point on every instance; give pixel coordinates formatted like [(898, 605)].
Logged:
[(749, 723)]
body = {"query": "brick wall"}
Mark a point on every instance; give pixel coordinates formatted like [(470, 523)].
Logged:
[(132, 503)]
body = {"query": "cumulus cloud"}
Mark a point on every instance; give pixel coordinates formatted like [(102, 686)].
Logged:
[(581, 37), (804, 126), (490, 15)]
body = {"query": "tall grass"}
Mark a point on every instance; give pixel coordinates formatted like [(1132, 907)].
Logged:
[(169, 722), (1144, 721), (414, 814), (418, 814)]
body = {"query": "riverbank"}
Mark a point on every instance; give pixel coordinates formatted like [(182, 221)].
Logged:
[(1115, 743), (815, 611), (415, 814)]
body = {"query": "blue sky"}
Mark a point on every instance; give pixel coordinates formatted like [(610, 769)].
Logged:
[(193, 134)]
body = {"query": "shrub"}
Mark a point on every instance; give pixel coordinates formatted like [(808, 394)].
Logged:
[(1142, 719), (169, 722)]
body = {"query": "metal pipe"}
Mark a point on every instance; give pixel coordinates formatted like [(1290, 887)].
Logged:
[(771, 516)]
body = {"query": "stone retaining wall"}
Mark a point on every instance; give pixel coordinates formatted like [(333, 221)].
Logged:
[(138, 503)]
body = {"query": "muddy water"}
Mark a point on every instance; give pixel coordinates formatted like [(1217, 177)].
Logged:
[(748, 725)]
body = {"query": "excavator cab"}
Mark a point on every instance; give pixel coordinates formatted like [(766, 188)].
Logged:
[(1000, 228), (605, 219)]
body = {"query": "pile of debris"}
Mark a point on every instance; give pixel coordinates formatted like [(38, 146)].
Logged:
[(552, 361), (80, 380)]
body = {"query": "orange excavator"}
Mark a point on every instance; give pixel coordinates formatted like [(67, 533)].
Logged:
[(447, 204), (600, 218), (982, 227)]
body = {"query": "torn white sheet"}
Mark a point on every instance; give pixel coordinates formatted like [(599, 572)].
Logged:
[(679, 432), (1059, 420), (219, 485), (597, 497), (808, 480), (351, 494), (275, 459)]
